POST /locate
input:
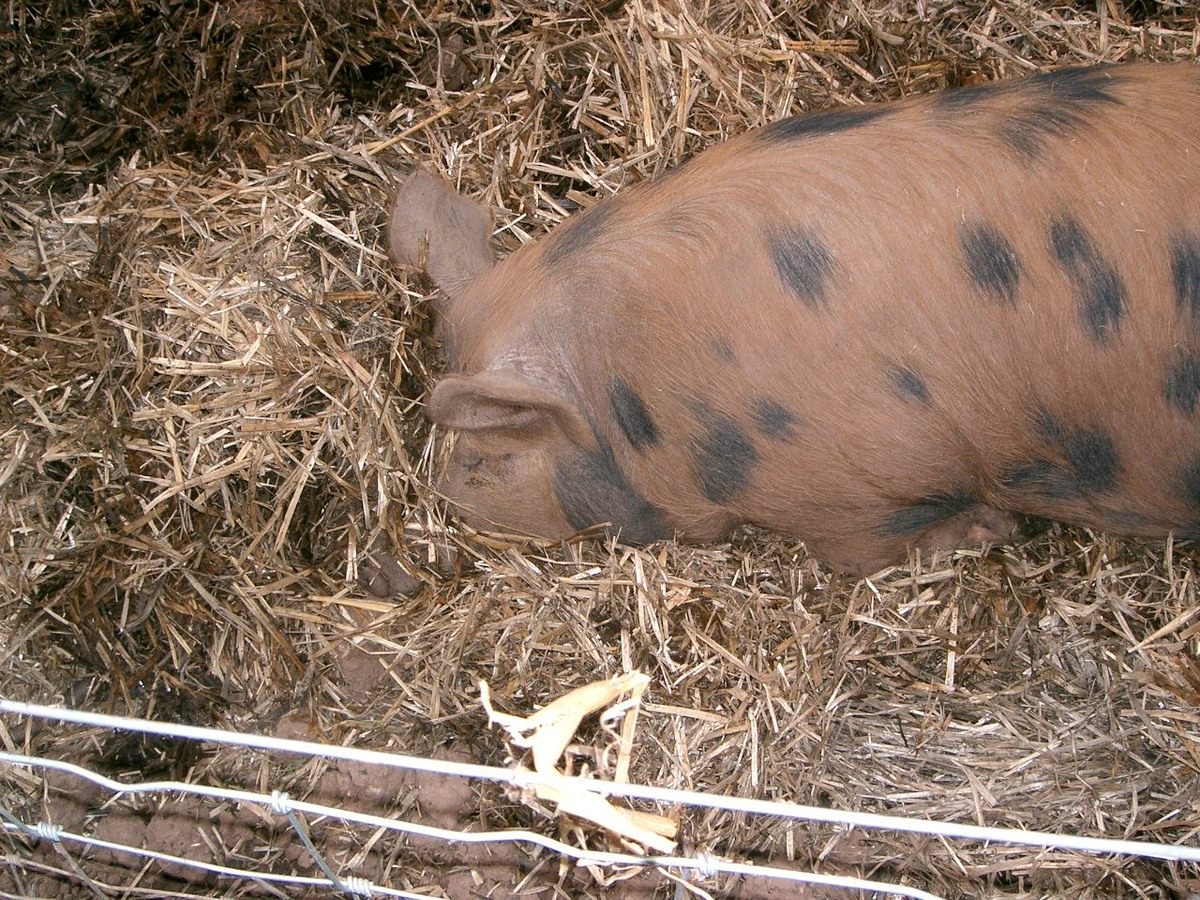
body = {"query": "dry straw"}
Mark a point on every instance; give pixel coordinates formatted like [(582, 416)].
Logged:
[(210, 392)]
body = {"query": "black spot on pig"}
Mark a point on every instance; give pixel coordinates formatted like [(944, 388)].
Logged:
[(1100, 290), (632, 415), (1090, 453), (591, 489), (907, 384), (834, 121), (578, 233), (724, 455), (1185, 275), (963, 98), (992, 262), (1081, 87), (1181, 384), (1060, 104), (722, 350), (803, 262), (774, 420), (1084, 462), (1043, 478), (925, 513)]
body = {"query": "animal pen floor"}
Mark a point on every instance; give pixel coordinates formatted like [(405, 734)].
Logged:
[(210, 409)]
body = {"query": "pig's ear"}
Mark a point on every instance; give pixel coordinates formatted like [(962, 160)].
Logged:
[(507, 403), (433, 228)]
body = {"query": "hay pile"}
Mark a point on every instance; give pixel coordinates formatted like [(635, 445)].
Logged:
[(210, 393)]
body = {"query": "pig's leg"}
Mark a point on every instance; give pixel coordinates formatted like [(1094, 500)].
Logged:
[(865, 551)]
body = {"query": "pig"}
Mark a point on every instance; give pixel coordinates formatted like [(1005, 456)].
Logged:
[(908, 325)]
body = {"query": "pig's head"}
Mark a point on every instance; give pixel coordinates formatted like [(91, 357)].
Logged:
[(526, 458)]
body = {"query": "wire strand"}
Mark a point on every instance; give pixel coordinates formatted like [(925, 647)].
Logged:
[(522, 778)]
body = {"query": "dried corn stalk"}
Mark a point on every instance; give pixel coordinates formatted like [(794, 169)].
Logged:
[(548, 732)]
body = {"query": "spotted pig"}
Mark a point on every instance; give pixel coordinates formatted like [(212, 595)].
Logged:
[(872, 329)]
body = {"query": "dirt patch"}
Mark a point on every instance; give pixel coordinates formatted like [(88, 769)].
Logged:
[(257, 839)]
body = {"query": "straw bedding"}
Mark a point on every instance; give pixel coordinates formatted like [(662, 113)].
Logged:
[(210, 410)]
